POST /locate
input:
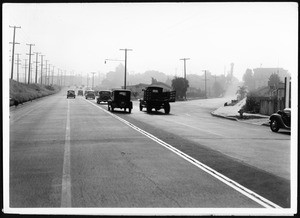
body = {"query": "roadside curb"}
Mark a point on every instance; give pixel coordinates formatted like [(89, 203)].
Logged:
[(235, 119), (229, 118)]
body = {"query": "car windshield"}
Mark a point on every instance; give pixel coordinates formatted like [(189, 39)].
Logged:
[(71, 91)]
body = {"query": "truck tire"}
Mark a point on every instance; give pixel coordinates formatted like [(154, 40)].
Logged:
[(167, 108), (129, 110), (149, 108), (141, 107)]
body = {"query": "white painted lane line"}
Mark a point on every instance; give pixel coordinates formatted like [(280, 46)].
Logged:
[(238, 187), (66, 178)]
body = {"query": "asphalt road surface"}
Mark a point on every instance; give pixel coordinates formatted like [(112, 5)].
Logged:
[(74, 153)]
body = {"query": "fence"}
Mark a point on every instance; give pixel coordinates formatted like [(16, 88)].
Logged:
[(269, 106)]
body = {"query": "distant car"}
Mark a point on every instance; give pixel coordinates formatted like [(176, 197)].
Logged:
[(71, 94), (280, 119), (80, 92), (90, 94), (103, 96), (120, 99)]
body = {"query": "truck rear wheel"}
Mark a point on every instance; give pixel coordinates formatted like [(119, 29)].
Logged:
[(141, 107), (167, 108)]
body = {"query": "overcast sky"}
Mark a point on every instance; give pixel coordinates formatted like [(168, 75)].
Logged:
[(79, 37)]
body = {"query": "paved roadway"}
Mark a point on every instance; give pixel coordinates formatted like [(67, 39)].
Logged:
[(73, 153)]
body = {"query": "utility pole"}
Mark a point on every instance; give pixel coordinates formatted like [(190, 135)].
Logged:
[(184, 61), (65, 78), (205, 83), (29, 61), (60, 78), (13, 50), (18, 63), (46, 72), (52, 76), (42, 68), (25, 70), (87, 80), (125, 49), (93, 80), (48, 76), (36, 65)]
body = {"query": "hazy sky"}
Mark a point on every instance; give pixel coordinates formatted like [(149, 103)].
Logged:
[(80, 37)]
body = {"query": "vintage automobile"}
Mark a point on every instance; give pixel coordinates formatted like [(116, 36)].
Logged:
[(120, 98), (103, 96), (155, 97), (90, 94), (281, 119), (70, 94), (80, 92)]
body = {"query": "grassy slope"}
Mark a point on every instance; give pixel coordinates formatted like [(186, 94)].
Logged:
[(21, 92)]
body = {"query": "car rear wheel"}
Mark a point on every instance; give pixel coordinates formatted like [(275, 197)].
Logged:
[(274, 125), (129, 110), (141, 107)]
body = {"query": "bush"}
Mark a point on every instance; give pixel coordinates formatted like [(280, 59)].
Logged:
[(252, 103), (20, 93)]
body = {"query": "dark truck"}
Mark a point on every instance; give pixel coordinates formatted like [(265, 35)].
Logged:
[(155, 97)]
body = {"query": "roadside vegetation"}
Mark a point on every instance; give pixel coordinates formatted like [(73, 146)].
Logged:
[(20, 92)]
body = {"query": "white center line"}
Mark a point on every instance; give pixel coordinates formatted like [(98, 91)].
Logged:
[(238, 187), (66, 178)]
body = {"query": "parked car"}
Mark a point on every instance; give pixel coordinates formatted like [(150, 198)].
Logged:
[(120, 99), (281, 119), (80, 92), (71, 94), (90, 94), (103, 96)]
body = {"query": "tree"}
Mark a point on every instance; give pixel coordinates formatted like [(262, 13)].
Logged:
[(274, 80), (249, 79), (180, 85), (242, 91)]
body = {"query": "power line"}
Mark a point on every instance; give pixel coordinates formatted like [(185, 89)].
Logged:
[(13, 51)]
